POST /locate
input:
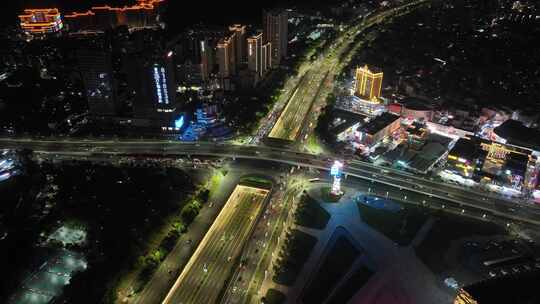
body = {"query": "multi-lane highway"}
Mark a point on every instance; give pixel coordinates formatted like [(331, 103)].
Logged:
[(292, 118), (289, 123), (108, 148), (206, 273)]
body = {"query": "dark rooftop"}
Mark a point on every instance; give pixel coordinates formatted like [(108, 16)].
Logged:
[(515, 133), (350, 119), (466, 148), (417, 104), (380, 122), (519, 289)]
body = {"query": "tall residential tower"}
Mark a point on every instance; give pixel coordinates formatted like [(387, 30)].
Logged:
[(95, 66), (276, 31)]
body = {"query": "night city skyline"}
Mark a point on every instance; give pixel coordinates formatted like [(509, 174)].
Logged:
[(294, 151)]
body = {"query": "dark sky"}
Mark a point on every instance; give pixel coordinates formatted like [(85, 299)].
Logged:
[(180, 12)]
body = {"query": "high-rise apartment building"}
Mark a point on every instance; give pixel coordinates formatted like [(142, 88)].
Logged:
[(240, 42), (226, 56), (95, 66), (276, 31), (368, 82), (266, 51), (254, 50), (41, 21), (259, 55), (207, 59)]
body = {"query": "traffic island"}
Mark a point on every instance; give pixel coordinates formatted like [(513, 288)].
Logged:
[(310, 214), (328, 197), (292, 256), (256, 181), (274, 296)]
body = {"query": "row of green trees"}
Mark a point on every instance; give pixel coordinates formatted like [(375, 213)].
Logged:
[(188, 213)]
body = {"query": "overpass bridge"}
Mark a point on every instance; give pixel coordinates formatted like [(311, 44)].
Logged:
[(81, 149)]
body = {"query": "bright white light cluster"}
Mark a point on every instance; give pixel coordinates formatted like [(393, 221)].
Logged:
[(335, 171), (161, 84)]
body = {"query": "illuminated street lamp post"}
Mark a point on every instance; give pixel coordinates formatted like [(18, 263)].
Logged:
[(335, 171)]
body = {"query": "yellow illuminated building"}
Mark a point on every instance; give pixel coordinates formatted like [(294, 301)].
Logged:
[(368, 83), (142, 14), (464, 297), (41, 21)]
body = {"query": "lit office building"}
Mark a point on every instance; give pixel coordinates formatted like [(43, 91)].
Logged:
[(152, 80), (276, 31), (368, 83), (96, 71), (41, 21), (240, 42)]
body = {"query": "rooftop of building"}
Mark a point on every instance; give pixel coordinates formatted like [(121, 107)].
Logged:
[(438, 138), (427, 156), (417, 104), (466, 148), (274, 11), (349, 118), (508, 289), (416, 129), (515, 133), (48, 11), (517, 163), (140, 5), (371, 68), (380, 122)]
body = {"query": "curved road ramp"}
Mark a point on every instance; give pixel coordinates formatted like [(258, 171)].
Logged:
[(207, 271)]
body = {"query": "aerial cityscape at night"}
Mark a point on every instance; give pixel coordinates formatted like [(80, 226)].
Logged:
[(291, 151)]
